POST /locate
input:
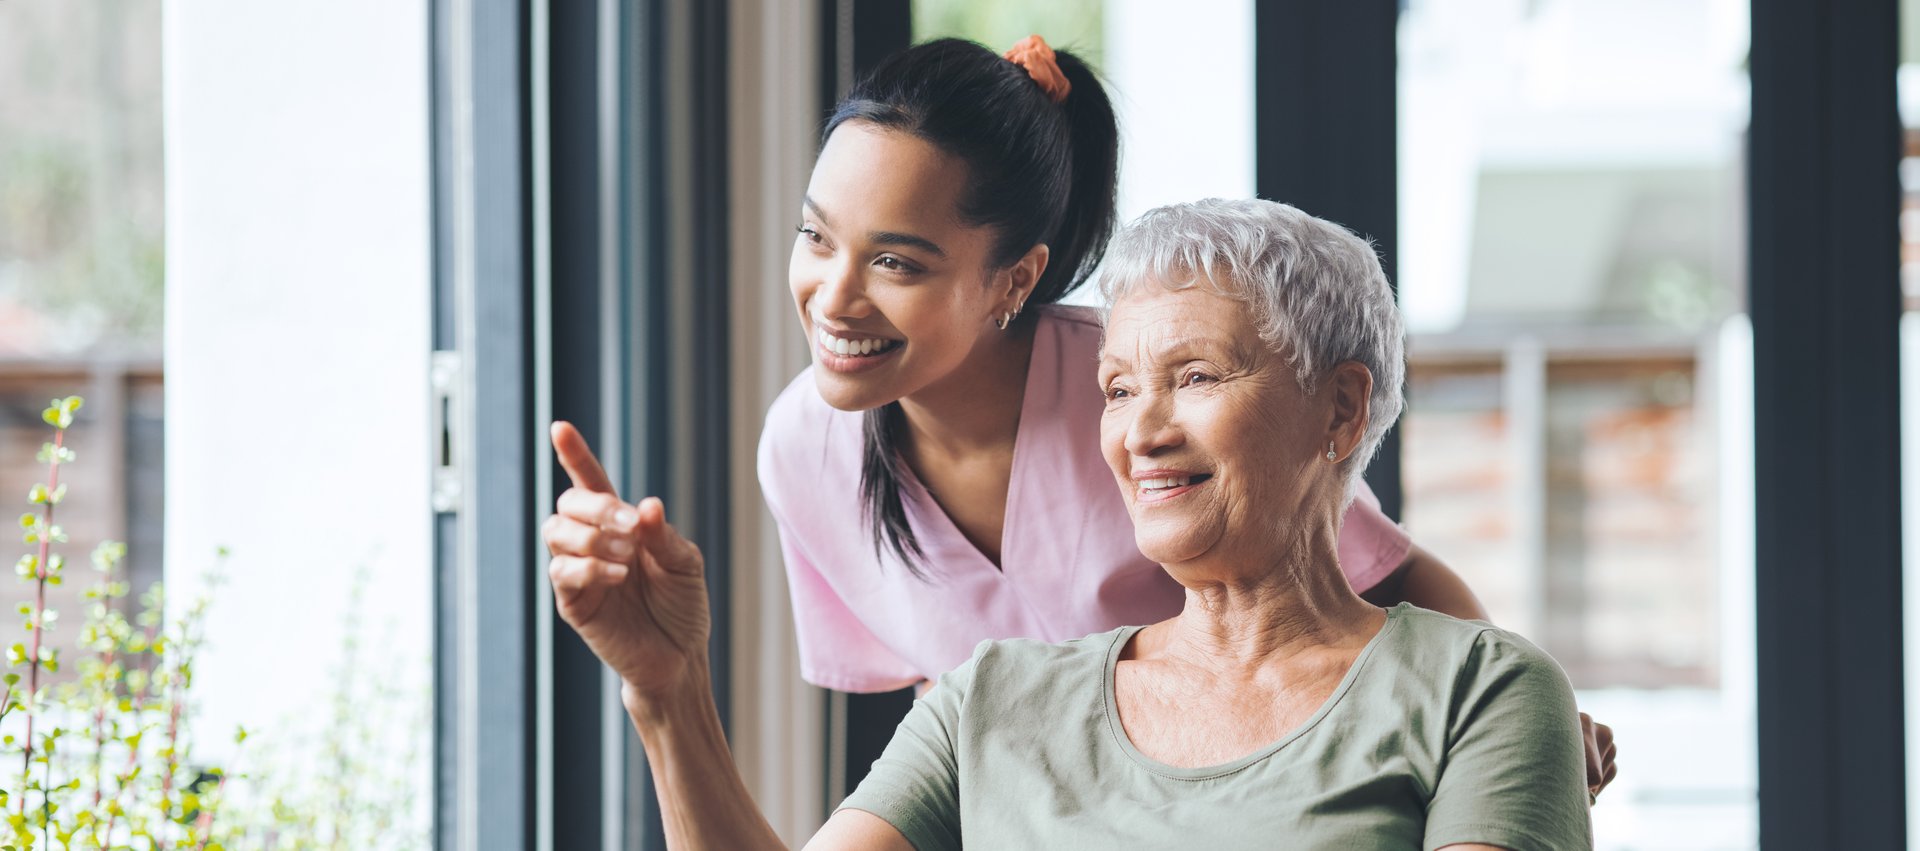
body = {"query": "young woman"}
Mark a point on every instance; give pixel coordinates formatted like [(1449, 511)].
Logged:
[(936, 476)]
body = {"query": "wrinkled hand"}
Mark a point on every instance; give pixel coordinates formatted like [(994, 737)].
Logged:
[(1600, 753), (630, 585)]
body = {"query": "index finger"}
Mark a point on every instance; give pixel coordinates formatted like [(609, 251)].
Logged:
[(578, 460)]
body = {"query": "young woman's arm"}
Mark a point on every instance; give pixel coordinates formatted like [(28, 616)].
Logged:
[(1427, 582)]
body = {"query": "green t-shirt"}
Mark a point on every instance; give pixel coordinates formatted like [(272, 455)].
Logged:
[(1444, 731)]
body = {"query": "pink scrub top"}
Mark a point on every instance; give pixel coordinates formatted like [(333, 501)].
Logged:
[(1068, 564)]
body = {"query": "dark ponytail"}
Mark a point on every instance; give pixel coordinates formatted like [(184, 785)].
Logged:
[(1088, 222), (1038, 172)]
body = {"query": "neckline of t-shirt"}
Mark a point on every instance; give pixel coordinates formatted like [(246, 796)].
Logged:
[(1022, 439), (1210, 772)]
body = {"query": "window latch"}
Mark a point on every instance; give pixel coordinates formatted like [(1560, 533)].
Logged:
[(445, 377)]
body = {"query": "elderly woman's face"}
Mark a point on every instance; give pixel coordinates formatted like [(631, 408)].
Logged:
[(1215, 448)]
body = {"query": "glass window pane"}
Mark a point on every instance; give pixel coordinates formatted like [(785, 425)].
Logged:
[(314, 644), (1571, 265)]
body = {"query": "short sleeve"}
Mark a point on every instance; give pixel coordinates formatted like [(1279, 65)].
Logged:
[(1515, 769), (837, 651), (1372, 546), (915, 784)]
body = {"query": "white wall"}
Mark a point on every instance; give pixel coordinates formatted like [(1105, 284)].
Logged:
[(296, 341)]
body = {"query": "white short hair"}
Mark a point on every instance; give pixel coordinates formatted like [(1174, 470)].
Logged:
[(1317, 291)]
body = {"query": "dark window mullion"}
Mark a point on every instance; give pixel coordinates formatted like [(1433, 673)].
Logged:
[(1326, 137), (1823, 179)]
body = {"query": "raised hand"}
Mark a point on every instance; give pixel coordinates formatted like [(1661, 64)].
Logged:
[(630, 585)]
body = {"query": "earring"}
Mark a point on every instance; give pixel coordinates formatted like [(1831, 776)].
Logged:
[(1331, 455), (1005, 319)]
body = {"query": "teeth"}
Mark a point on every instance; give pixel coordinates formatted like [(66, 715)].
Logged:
[(1163, 484), (852, 348)]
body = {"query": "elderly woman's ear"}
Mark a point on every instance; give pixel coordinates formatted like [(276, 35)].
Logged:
[(1349, 387)]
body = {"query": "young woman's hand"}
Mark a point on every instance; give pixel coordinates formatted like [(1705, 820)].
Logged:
[(1600, 755), (625, 580)]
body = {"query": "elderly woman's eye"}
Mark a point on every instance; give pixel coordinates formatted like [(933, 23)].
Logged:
[(1196, 378), (1116, 393)]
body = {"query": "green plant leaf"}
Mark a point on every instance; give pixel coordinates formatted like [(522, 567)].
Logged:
[(107, 555), (37, 494), (60, 413)]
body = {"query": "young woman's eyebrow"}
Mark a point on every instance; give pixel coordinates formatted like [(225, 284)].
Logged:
[(887, 237), (809, 203), (882, 237)]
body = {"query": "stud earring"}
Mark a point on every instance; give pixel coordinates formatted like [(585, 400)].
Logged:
[(1331, 455)]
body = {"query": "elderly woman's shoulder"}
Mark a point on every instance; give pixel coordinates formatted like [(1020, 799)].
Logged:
[(1032, 651), (1023, 666), (1443, 642)]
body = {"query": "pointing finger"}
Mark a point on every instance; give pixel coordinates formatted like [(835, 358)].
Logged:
[(578, 459)]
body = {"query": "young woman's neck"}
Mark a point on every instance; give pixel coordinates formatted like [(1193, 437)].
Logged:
[(976, 407)]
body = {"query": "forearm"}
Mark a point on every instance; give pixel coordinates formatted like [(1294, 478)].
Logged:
[(1427, 582), (703, 802)]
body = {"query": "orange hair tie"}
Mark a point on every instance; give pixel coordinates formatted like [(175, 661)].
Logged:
[(1033, 54)]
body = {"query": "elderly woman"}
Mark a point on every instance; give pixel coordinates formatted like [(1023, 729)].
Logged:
[(1251, 364)]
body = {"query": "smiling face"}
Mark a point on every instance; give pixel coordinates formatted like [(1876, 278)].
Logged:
[(1215, 447), (894, 291)]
